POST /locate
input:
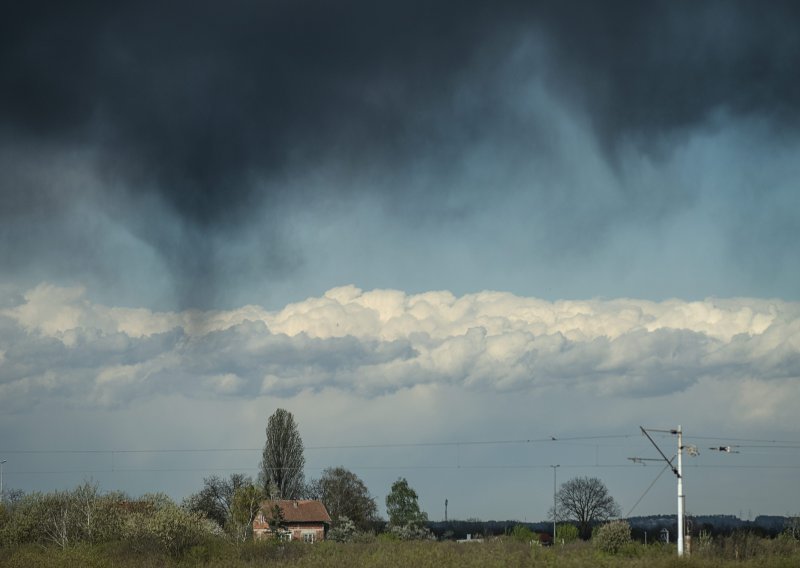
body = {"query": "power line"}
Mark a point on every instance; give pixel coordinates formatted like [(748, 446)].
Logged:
[(751, 440), (649, 487), (549, 439), (394, 467)]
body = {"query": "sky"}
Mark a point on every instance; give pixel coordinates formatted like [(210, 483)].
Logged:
[(460, 242)]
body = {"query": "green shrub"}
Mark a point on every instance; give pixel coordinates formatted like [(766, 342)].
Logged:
[(24, 524), (169, 529), (343, 530), (411, 531), (566, 533), (522, 533), (612, 537)]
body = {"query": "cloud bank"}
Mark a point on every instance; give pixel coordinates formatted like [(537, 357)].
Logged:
[(56, 344)]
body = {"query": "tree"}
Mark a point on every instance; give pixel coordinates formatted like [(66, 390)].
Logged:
[(587, 501), (402, 505), (345, 495), (276, 520), (215, 499), (245, 508), (281, 474)]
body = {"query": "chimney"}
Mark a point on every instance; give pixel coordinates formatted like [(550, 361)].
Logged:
[(295, 504)]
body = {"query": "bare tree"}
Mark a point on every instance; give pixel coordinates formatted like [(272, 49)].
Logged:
[(587, 501), (281, 474), (215, 499), (86, 498), (60, 519)]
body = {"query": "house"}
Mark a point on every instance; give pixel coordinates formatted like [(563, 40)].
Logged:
[(305, 520)]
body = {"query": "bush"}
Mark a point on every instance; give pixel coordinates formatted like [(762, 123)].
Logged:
[(24, 524), (343, 531), (739, 545), (411, 531), (566, 533), (522, 533), (169, 529), (612, 537)]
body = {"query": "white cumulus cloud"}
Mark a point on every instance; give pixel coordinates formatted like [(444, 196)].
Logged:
[(58, 343)]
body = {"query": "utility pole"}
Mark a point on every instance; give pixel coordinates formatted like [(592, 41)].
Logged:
[(445, 510), (678, 471), (555, 514)]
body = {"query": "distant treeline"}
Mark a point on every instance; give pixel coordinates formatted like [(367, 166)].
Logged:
[(765, 525)]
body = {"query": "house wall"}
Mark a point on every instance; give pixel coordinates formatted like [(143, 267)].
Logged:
[(298, 531), (316, 532)]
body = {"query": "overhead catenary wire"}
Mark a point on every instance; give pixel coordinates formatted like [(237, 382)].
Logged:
[(549, 439), (595, 439), (649, 487), (393, 467), (746, 440)]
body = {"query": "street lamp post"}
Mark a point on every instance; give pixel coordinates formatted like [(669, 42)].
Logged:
[(555, 515)]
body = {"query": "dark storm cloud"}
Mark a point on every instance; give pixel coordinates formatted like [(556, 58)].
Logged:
[(652, 69), (196, 117), (195, 99)]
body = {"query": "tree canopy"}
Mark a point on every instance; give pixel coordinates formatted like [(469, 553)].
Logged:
[(281, 475), (215, 499), (587, 501), (345, 495), (402, 505)]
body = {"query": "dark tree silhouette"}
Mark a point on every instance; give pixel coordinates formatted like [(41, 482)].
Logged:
[(587, 501), (345, 495), (215, 499)]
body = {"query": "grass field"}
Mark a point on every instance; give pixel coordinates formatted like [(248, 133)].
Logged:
[(745, 553)]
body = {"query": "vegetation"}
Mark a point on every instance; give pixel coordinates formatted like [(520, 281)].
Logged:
[(587, 501), (521, 533), (566, 533), (402, 505), (281, 475), (218, 551), (612, 537), (213, 527), (346, 496), (215, 500)]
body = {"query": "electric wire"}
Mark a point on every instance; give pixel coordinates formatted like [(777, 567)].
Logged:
[(549, 439), (649, 487)]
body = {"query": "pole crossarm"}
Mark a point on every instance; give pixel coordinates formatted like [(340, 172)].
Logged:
[(663, 455)]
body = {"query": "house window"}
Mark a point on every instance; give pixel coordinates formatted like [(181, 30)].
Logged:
[(308, 537)]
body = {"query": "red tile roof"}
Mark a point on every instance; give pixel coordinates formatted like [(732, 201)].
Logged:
[(300, 511)]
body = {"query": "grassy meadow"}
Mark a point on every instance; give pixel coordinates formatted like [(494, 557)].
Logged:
[(742, 551)]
